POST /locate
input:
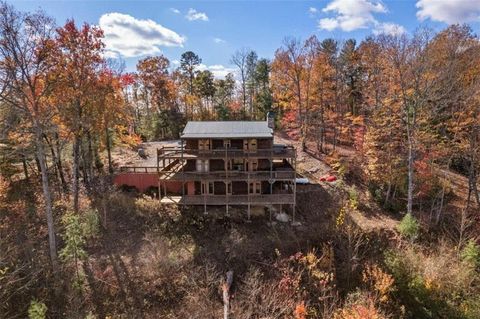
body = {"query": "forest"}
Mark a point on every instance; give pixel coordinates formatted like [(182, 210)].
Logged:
[(395, 117)]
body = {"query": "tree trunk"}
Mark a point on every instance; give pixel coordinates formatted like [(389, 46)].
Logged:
[(75, 168), (48, 199), (109, 150), (84, 161), (387, 195), (59, 164), (410, 170), (90, 157), (39, 169), (24, 165)]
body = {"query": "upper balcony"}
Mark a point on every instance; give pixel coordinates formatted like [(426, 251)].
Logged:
[(175, 152)]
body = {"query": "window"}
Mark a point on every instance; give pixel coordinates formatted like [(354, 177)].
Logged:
[(253, 164), (229, 165), (211, 188), (204, 145), (229, 188), (207, 188), (250, 145), (203, 166), (255, 188), (238, 164)]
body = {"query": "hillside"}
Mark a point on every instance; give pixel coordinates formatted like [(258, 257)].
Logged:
[(385, 128)]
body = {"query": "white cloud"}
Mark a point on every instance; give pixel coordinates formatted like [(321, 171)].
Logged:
[(175, 62), (131, 37), (193, 15), (175, 10), (312, 10), (389, 28), (449, 11), (328, 24), (219, 40), (219, 71), (351, 14)]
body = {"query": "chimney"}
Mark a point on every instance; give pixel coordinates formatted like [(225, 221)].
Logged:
[(271, 120)]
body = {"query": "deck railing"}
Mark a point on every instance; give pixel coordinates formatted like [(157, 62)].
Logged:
[(213, 175), (230, 175), (263, 199), (139, 169), (182, 152)]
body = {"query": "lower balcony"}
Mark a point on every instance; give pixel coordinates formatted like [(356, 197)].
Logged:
[(262, 199), (230, 175)]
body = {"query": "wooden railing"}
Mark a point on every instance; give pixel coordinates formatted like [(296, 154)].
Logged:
[(230, 175), (139, 169), (214, 175), (182, 152), (264, 199)]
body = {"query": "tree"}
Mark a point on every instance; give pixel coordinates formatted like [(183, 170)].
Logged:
[(79, 60), (112, 109), (408, 59), (250, 79), (349, 60), (27, 54), (264, 101), (239, 58), (189, 63), (224, 94), (159, 97), (288, 69)]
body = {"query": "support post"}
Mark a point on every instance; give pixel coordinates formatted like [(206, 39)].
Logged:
[(159, 189), (183, 173), (294, 185), (226, 181)]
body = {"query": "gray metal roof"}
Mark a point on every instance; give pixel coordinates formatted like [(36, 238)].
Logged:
[(227, 129)]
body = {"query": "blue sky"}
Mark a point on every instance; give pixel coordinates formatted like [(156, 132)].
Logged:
[(215, 29)]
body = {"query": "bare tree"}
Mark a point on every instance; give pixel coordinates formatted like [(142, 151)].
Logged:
[(25, 61), (239, 58)]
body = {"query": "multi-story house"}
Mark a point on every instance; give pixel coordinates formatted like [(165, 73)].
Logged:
[(228, 163)]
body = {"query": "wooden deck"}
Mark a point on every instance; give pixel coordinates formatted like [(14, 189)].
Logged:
[(230, 175), (184, 153), (264, 199)]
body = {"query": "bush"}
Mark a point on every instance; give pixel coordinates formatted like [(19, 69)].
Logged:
[(37, 310), (433, 284), (409, 227), (471, 253), (359, 305)]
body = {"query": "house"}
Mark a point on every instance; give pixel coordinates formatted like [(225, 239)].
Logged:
[(223, 163)]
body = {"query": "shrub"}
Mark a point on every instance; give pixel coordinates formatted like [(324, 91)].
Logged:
[(409, 227), (471, 253), (378, 281), (359, 305), (78, 228), (37, 310), (433, 284)]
